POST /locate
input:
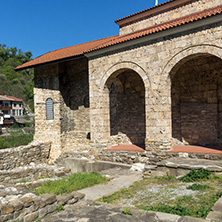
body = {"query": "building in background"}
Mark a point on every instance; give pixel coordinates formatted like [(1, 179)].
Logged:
[(10, 105)]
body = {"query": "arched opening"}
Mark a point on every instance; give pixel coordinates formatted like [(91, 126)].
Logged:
[(196, 100), (127, 107)]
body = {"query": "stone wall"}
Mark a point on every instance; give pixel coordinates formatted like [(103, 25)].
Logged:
[(24, 155), (46, 85), (31, 172), (196, 101), (127, 106), (19, 205), (75, 122), (147, 157), (153, 62), (169, 15), (67, 85)]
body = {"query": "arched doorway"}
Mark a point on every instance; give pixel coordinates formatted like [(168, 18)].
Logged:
[(127, 107), (196, 100)]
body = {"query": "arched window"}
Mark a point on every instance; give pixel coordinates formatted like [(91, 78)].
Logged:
[(49, 109)]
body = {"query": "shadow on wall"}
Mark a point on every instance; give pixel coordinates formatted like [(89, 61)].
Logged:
[(196, 94), (74, 88), (127, 106)]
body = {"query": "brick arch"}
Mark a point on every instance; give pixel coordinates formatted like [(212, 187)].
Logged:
[(126, 65), (186, 53), (195, 95)]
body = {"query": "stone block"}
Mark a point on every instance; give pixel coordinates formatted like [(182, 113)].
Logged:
[(18, 205), (7, 217), (27, 201), (218, 205), (48, 198), (214, 216), (63, 199), (67, 170), (7, 209), (170, 217), (51, 208), (60, 173), (43, 212), (31, 217)]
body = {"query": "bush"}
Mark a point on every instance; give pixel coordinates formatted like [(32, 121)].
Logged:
[(198, 187), (196, 175)]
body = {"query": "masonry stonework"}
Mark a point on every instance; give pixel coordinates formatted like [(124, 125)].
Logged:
[(165, 16), (156, 90), (75, 123), (67, 85), (155, 59)]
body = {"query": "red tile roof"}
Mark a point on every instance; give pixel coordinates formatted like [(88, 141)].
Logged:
[(161, 27), (63, 53), (15, 99), (9, 98), (165, 6), (79, 50)]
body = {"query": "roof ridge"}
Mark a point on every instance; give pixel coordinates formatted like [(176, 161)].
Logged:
[(175, 20), (165, 25), (149, 9)]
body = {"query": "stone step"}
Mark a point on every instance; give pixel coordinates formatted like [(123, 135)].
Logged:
[(181, 166)]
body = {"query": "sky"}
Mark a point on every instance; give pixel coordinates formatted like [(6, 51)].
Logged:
[(41, 26)]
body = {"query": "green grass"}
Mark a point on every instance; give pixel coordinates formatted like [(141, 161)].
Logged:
[(196, 175), (198, 187), (126, 211), (71, 183), (170, 195), (16, 139), (60, 208)]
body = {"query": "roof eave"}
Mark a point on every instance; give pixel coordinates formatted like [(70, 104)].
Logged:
[(50, 62), (145, 39)]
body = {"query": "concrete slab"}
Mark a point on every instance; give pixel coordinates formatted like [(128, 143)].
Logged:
[(122, 181), (189, 163)]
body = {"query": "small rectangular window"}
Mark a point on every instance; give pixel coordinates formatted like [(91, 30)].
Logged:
[(49, 109)]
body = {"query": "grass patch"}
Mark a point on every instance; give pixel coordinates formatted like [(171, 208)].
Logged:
[(71, 183), (198, 187), (126, 211), (196, 175), (60, 208), (171, 195), (17, 138)]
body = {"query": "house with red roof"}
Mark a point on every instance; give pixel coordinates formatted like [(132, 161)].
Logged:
[(10, 105), (156, 84)]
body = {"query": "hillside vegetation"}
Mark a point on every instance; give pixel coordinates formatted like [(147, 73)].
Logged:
[(18, 84)]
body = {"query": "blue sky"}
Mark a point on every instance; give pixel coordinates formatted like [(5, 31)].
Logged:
[(44, 25)]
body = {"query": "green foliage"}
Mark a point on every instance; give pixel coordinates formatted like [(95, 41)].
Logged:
[(126, 211), (60, 208), (71, 183), (157, 194), (18, 84), (179, 210), (17, 138), (196, 175), (198, 187)]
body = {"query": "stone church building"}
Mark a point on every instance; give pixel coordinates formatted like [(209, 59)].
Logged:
[(156, 84)]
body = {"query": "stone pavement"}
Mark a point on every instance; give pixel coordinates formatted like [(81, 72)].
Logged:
[(88, 210), (124, 179)]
